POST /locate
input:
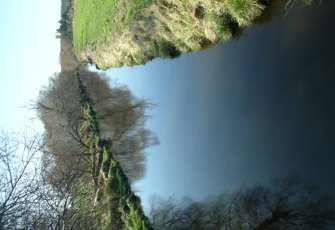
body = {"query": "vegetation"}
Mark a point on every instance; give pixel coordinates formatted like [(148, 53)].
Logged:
[(65, 21), (68, 60), (84, 154), (29, 202), (99, 22), (94, 18), (125, 211), (18, 184), (62, 27), (167, 50), (94, 141), (132, 32), (121, 118), (289, 203), (154, 28)]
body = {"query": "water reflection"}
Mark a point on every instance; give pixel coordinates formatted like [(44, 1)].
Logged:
[(244, 112), (289, 203)]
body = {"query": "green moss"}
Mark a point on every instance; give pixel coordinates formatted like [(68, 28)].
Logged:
[(125, 211)]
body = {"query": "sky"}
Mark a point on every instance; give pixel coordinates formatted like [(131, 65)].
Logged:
[(240, 113), (29, 56)]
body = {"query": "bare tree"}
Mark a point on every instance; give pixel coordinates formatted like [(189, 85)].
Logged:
[(19, 178), (290, 203), (31, 200), (121, 117), (68, 208)]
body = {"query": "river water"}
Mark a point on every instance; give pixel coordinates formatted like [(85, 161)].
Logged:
[(245, 111)]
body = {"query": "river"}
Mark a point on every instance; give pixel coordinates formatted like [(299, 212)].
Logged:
[(244, 111)]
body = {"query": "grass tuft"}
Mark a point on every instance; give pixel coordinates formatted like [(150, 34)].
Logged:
[(244, 11)]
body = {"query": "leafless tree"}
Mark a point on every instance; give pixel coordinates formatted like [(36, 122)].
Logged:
[(19, 178), (27, 198), (121, 118), (290, 203)]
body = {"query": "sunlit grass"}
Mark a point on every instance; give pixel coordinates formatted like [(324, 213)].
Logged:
[(244, 11), (94, 18), (114, 33)]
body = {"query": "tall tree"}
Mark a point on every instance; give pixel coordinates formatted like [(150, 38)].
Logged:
[(27, 200), (60, 111), (121, 116)]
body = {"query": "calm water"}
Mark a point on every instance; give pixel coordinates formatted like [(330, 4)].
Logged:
[(245, 111)]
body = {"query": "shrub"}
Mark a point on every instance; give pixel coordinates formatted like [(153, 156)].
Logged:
[(226, 25), (167, 49)]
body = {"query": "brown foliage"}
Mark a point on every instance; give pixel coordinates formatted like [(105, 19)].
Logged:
[(121, 118), (68, 60)]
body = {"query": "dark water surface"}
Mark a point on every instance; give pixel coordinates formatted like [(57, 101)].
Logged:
[(243, 112)]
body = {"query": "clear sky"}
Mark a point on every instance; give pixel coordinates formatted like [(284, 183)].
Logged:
[(29, 55)]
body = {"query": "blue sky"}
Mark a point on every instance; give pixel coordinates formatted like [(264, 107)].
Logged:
[(29, 55)]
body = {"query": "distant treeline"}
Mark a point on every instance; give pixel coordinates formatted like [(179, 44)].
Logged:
[(65, 22)]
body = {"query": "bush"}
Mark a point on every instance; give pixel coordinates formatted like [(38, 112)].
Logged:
[(226, 25), (167, 49)]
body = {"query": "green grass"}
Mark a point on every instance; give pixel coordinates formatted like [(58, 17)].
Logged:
[(244, 11), (114, 33), (95, 18), (82, 201), (90, 20)]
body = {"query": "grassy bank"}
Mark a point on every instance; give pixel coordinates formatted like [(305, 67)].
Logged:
[(131, 32), (117, 207), (93, 18), (99, 24)]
